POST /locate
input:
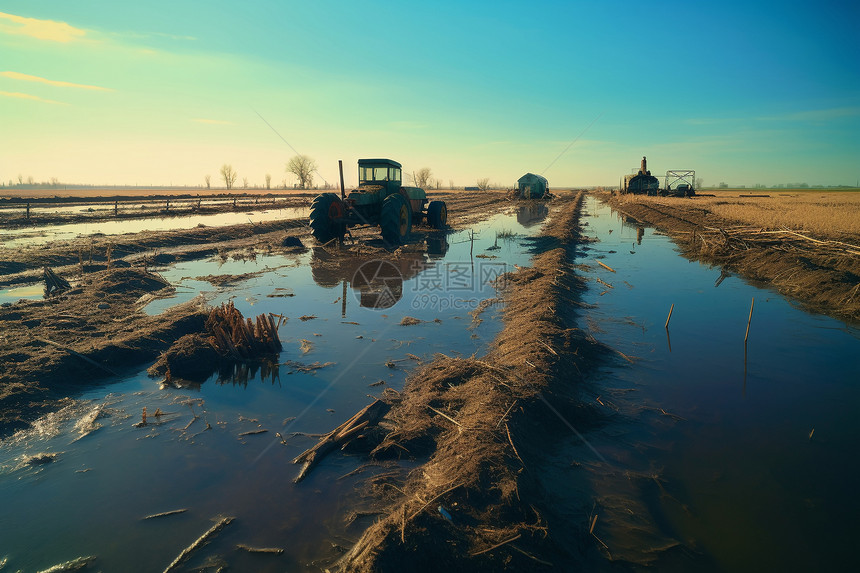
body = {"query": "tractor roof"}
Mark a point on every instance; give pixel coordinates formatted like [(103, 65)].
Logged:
[(378, 162)]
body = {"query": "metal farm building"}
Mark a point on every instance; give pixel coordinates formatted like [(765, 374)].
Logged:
[(531, 186)]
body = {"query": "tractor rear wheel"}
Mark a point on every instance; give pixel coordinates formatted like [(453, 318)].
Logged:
[(395, 219), (437, 214), (327, 213)]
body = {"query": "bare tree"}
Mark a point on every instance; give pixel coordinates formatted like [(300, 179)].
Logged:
[(268, 180), (303, 167), (208, 180), (244, 182), (422, 177), (20, 179), (450, 184), (699, 183), (30, 180), (229, 175), (484, 184)]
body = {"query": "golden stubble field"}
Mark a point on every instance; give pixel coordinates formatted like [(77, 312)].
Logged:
[(827, 214), (806, 244), (831, 215)]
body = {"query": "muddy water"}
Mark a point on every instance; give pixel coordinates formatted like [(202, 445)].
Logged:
[(103, 475), (30, 292), (39, 235), (746, 455), (107, 207)]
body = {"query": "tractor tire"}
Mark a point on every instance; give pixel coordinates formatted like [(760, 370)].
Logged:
[(437, 214), (326, 209), (395, 219)]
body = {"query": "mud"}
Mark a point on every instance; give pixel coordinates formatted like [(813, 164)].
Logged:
[(130, 207), (479, 426), (822, 274), (50, 348)]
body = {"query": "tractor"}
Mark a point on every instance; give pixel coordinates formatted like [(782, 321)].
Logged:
[(381, 200)]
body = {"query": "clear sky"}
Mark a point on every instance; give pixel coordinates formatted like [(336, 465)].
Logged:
[(166, 91)]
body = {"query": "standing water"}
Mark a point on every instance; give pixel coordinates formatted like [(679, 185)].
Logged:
[(42, 234), (745, 454), (82, 480)]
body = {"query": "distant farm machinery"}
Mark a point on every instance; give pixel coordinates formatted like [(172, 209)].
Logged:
[(678, 182)]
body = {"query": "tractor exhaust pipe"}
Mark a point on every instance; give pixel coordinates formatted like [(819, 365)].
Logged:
[(340, 169)]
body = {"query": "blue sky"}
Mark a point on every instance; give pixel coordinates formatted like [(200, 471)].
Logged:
[(165, 92)]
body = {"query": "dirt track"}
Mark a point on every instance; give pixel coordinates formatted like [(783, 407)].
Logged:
[(822, 273), (49, 348)]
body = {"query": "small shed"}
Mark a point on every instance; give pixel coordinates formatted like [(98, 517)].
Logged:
[(531, 186)]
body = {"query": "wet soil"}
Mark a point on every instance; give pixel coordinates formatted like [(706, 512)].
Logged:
[(24, 264), (85, 335), (478, 427), (130, 208), (821, 273), (51, 348)]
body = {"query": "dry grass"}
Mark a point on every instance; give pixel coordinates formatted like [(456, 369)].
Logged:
[(830, 215), (807, 245), (460, 414)]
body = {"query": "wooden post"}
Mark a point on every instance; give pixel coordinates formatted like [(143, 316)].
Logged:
[(340, 169), (671, 308), (749, 321), (116, 208), (28, 210)]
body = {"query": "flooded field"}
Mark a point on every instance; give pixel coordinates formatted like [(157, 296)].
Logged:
[(745, 454), (40, 235), (707, 453), (224, 448)]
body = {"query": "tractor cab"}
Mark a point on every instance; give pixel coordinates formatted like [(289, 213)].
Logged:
[(377, 173)]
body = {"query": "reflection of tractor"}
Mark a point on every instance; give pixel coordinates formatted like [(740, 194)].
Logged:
[(377, 283), (379, 200)]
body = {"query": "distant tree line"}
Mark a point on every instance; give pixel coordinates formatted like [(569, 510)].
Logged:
[(724, 185), (29, 181)]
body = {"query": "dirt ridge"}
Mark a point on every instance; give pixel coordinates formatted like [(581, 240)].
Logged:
[(823, 275), (482, 424)]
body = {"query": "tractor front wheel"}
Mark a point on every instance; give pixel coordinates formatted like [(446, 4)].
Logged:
[(395, 219), (437, 214), (326, 221)]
